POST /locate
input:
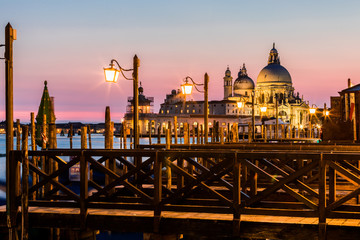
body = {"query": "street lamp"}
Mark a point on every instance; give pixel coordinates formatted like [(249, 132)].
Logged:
[(312, 111), (262, 112), (186, 89), (240, 104), (263, 109), (112, 74)]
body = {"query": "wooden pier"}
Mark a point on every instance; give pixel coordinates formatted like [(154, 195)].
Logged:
[(307, 192)]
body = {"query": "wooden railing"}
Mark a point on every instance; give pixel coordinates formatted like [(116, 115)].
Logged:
[(271, 182)]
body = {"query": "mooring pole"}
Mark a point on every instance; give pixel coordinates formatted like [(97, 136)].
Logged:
[(11, 208)]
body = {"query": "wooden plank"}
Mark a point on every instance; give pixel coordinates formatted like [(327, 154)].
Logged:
[(197, 181), (342, 200), (281, 184), (285, 174), (50, 180), (344, 173)]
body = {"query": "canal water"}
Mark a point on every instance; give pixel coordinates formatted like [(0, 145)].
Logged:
[(97, 142)]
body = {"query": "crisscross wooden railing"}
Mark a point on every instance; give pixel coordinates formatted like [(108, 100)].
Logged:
[(272, 182)]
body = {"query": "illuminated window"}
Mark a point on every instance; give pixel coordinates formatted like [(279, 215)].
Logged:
[(193, 110), (187, 111)]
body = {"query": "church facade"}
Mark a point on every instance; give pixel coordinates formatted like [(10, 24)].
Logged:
[(273, 91)]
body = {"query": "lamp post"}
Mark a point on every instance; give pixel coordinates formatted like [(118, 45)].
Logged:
[(11, 207), (312, 111), (277, 117), (186, 89), (253, 115), (112, 74), (262, 112)]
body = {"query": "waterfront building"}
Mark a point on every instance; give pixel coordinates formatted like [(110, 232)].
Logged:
[(345, 115), (146, 112), (273, 90)]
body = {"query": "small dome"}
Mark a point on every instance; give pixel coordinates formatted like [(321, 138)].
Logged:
[(243, 82), (173, 92), (228, 72)]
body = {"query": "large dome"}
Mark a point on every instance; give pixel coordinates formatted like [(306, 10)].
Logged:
[(274, 73), (243, 82)]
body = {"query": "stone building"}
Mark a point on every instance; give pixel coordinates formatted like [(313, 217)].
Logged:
[(273, 90)]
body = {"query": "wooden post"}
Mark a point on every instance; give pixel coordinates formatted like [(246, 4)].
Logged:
[(198, 134), (283, 131), (52, 139), (322, 198), (193, 134), (270, 131), (186, 135), (83, 137), (18, 136), (265, 132), (236, 195), (124, 130), (202, 134), (107, 141), (332, 185), (157, 191), (10, 36), (25, 185), (168, 169), (169, 127), (159, 134), (250, 131), (221, 135), (45, 160), (83, 180), (206, 107), (175, 130), (35, 177), (233, 130), (89, 136), (71, 135), (150, 128), (213, 132)]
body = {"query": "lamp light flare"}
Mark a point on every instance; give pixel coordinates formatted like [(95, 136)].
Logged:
[(312, 110), (263, 109), (186, 88), (240, 104), (111, 74)]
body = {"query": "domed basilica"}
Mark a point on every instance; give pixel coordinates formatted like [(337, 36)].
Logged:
[(273, 90)]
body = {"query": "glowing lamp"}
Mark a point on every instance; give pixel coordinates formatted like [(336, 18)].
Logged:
[(111, 74), (186, 88), (263, 109), (301, 126), (240, 104), (327, 113), (312, 110)]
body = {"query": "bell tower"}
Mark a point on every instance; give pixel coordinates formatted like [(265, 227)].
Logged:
[(227, 84)]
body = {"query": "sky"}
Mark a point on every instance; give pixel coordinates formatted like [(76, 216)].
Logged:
[(68, 43)]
